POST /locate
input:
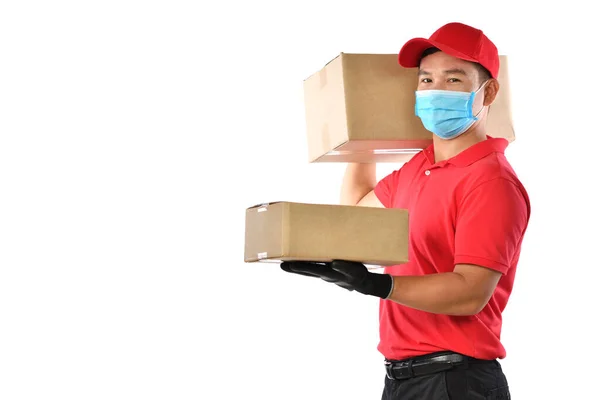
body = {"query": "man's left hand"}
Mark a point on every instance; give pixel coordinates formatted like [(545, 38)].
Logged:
[(347, 274)]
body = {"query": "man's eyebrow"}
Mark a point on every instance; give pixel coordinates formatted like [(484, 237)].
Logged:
[(455, 71), (447, 72)]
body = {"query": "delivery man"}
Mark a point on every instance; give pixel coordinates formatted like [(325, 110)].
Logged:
[(441, 313)]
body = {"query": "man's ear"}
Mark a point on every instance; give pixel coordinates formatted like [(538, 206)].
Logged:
[(491, 90)]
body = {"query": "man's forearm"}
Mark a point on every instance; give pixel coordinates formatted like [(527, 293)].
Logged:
[(359, 179), (445, 293)]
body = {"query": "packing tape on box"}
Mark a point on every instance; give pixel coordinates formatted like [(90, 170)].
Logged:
[(325, 138), (322, 78)]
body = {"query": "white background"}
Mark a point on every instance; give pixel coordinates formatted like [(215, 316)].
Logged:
[(133, 135)]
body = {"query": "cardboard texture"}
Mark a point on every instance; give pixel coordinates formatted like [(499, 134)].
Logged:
[(282, 231), (361, 108)]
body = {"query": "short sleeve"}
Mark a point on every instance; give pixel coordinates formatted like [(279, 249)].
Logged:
[(387, 187), (490, 224)]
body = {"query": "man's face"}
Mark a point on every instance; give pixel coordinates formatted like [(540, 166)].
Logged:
[(441, 71)]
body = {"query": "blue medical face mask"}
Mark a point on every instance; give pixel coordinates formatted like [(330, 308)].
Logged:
[(446, 113)]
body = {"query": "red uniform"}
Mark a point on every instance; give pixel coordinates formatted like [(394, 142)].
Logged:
[(470, 209)]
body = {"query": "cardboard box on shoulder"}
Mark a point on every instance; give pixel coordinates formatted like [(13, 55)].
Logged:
[(282, 231), (361, 108)]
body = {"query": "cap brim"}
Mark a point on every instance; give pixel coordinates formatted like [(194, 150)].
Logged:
[(410, 54)]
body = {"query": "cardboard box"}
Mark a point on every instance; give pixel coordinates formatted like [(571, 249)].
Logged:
[(319, 232), (361, 108)]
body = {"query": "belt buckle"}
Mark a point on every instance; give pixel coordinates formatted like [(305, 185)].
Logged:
[(388, 369), (399, 370)]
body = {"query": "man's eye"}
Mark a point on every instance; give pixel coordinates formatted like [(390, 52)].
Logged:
[(425, 80), (453, 80)]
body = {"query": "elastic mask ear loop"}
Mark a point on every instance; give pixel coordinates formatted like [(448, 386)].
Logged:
[(473, 98)]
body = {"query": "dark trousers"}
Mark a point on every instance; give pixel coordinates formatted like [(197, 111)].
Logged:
[(475, 381)]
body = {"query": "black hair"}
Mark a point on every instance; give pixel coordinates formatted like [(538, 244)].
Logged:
[(484, 74)]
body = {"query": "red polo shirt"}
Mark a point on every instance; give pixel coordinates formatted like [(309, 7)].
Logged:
[(470, 209)]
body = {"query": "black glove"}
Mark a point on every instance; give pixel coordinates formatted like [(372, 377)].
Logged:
[(347, 274)]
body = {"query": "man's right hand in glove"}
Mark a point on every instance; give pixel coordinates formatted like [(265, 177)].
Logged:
[(347, 274)]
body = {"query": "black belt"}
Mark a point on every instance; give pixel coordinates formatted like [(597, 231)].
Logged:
[(425, 365)]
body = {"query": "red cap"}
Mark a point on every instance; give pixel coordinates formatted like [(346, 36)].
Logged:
[(458, 40)]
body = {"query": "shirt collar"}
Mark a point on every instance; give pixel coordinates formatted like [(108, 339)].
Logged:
[(473, 153)]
